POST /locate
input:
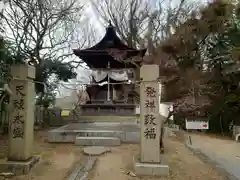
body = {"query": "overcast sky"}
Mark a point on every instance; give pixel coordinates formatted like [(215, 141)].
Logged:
[(96, 22), (100, 27)]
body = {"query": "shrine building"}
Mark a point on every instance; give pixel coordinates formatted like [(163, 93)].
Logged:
[(113, 75)]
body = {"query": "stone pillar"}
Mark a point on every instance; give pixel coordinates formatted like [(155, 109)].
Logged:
[(21, 121), (150, 161), (149, 114)]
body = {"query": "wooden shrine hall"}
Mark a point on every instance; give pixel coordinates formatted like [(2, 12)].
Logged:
[(113, 75)]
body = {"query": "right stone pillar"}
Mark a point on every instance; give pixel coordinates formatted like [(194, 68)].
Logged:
[(150, 162)]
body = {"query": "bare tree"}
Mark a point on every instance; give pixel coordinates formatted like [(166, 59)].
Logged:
[(138, 20), (126, 16), (44, 29), (2, 7)]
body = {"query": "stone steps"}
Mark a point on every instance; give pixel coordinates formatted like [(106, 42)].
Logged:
[(127, 132), (97, 141), (99, 133), (109, 118)]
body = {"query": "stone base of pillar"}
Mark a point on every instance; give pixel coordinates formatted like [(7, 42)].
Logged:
[(151, 169), (18, 167)]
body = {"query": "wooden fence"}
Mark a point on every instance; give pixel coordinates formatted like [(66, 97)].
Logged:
[(43, 116), (4, 115)]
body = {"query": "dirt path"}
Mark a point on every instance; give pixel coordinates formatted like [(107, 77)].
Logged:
[(113, 164), (223, 151), (214, 144), (57, 160), (183, 164)]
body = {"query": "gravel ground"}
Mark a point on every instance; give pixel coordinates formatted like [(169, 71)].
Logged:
[(57, 160), (183, 164), (224, 152)]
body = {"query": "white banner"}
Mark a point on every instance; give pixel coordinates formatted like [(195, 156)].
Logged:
[(190, 124), (115, 75)]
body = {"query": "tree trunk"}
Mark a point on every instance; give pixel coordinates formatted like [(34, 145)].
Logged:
[(221, 126)]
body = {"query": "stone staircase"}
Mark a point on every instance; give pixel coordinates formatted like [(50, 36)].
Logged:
[(98, 138), (109, 118), (97, 141), (98, 131)]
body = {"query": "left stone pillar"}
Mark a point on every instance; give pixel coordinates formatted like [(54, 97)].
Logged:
[(21, 120)]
